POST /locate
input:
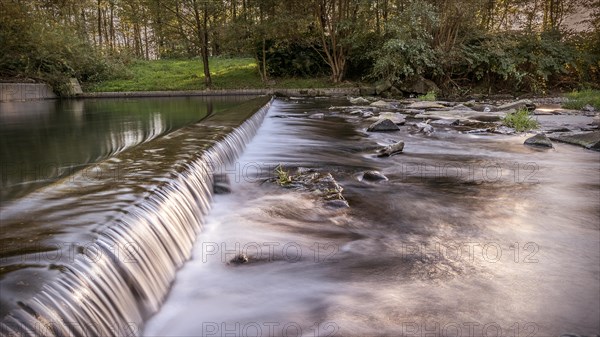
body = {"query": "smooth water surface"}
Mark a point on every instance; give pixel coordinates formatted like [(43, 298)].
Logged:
[(472, 235), (43, 141)]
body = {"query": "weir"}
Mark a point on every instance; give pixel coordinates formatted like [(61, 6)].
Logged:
[(154, 206)]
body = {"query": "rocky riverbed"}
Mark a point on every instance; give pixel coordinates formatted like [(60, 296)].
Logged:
[(577, 127)]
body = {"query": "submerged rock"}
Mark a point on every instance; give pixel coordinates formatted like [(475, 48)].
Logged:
[(383, 125), (391, 150), (425, 128), (367, 114), (239, 259), (373, 176), (395, 117), (504, 130), (540, 140), (358, 101), (425, 105), (337, 204)]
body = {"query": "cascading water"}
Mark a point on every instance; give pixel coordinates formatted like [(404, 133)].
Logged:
[(153, 199)]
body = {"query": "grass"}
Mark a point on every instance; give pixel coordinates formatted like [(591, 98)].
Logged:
[(430, 96), (283, 177), (579, 99), (520, 121), (226, 73)]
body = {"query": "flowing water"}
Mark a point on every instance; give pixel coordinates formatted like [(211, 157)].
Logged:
[(471, 235), (95, 252)]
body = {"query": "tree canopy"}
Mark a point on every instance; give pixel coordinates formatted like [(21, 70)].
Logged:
[(528, 44)]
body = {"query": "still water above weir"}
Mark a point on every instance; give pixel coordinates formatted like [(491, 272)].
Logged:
[(42, 141)]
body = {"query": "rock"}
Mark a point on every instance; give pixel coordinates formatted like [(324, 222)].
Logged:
[(540, 140), (461, 107), (397, 118), (358, 101), (425, 105), (391, 150), (383, 125), (487, 109), (425, 128), (383, 87), (381, 104), (520, 104), (367, 91), (317, 116), (239, 259), (419, 86), (589, 108), (336, 204), (395, 92), (596, 121), (487, 118), (373, 176), (367, 114), (445, 121), (590, 140), (504, 130), (356, 112)]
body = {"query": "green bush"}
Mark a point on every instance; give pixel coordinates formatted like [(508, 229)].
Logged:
[(37, 48)]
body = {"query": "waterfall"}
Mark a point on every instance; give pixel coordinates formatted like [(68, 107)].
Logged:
[(118, 281)]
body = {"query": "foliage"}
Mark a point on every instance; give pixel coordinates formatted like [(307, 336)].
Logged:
[(32, 49), (408, 51), (293, 58), (283, 177), (579, 99), (509, 45), (520, 120), (430, 96)]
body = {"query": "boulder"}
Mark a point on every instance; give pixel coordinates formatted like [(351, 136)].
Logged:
[(358, 101), (367, 91), (589, 140), (588, 108), (520, 104), (383, 125), (391, 150), (383, 87), (373, 176), (540, 140), (382, 105)]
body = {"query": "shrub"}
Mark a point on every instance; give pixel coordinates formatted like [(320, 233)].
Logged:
[(520, 121)]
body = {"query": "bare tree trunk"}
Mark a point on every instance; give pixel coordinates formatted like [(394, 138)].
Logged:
[(99, 10)]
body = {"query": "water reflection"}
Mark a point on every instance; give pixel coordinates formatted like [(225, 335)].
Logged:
[(42, 141)]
